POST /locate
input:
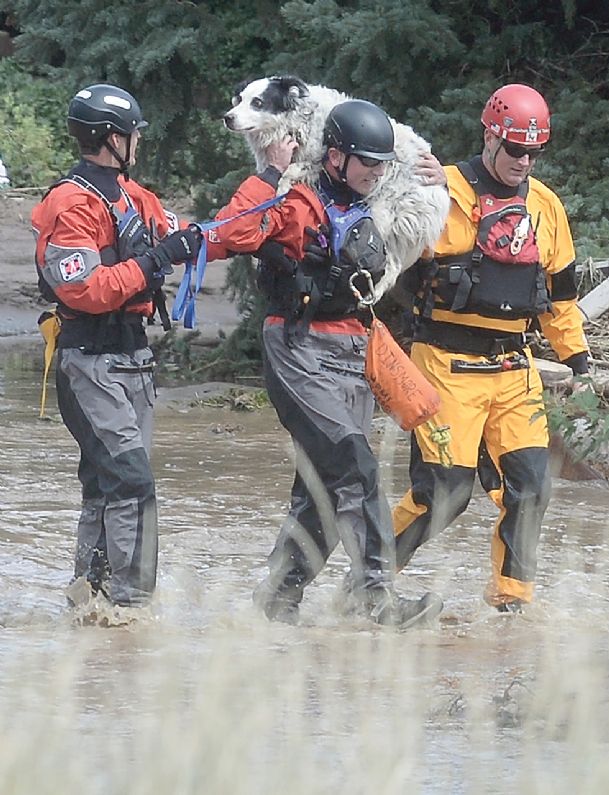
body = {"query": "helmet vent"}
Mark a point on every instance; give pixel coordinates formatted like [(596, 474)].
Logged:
[(117, 102)]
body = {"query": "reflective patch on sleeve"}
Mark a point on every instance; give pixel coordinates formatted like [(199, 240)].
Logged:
[(213, 236), (63, 264), (172, 221), (72, 267)]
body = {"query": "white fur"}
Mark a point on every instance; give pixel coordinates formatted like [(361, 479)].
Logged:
[(409, 215)]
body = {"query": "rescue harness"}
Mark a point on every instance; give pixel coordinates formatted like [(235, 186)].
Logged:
[(336, 287), (132, 239), (502, 276)]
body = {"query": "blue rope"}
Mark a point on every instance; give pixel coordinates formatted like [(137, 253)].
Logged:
[(184, 304)]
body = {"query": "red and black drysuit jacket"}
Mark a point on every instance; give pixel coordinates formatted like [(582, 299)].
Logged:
[(286, 223), (77, 256)]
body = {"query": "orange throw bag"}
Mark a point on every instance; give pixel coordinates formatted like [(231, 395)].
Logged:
[(399, 387)]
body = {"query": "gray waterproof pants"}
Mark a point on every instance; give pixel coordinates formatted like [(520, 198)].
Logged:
[(106, 402), (321, 397)]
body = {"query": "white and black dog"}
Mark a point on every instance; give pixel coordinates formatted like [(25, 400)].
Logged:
[(408, 214)]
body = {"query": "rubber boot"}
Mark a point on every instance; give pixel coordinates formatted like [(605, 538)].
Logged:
[(515, 606), (381, 604), (278, 603)]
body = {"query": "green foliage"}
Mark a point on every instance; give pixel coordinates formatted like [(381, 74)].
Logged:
[(33, 140), (237, 399), (175, 354), (375, 49), (581, 419), (180, 59), (430, 63)]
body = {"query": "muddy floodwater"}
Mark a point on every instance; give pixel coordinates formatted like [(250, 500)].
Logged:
[(202, 695)]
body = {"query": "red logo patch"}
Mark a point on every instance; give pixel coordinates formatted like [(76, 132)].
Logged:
[(72, 267)]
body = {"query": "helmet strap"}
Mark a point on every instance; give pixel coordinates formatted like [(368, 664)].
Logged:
[(492, 157), (342, 171), (124, 162)]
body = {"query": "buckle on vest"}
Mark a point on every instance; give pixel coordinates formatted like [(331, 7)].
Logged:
[(454, 274), (334, 273)]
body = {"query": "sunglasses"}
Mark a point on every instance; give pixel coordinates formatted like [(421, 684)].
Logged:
[(368, 162), (518, 150)]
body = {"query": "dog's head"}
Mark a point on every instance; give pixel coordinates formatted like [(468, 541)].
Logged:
[(257, 105)]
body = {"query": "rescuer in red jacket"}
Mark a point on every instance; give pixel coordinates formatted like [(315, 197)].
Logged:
[(103, 247), (314, 346)]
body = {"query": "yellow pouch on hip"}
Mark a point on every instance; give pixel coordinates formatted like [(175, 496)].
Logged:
[(49, 324)]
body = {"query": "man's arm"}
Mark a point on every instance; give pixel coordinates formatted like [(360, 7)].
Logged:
[(563, 327)]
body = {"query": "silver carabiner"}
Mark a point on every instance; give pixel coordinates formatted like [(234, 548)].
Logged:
[(368, 300)]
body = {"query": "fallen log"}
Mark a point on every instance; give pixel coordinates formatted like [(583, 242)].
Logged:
[(596, 302), (11, 193)]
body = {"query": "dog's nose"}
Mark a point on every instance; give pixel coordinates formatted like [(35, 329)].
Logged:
[(228, 120)]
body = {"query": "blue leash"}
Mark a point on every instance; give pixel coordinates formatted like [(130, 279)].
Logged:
[(184, 304)]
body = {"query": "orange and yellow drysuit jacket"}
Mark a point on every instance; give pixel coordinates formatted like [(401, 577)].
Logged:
[(490, 392), (563, 326)]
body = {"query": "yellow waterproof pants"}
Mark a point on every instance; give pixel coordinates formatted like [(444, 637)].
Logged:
[(494, 430)]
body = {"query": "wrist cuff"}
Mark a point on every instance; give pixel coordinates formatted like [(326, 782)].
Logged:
[(578, 363), (148, 267), (271, 176)]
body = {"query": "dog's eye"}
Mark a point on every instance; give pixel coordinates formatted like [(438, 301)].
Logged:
[(235, 100), (256, 103)]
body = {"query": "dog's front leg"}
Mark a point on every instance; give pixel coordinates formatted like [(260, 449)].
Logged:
[(297, 172)]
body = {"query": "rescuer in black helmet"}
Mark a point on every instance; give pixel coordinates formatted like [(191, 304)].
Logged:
[(100, 110), (103, 246), (314, 353), (359, 128)]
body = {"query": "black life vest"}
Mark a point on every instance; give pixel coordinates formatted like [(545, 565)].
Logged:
[(502, 276), (356, 253)]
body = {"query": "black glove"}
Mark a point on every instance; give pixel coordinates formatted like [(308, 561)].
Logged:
[(273, 253), (318, 252), (177, 247), (578, 363)]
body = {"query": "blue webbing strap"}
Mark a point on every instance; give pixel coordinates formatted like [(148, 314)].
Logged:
[(341, 222), (184, 304)]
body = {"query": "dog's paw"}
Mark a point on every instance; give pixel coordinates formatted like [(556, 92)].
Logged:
[(285, 183), (298, 172)]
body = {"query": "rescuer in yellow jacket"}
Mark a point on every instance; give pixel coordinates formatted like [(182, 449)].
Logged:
[(505, 260)]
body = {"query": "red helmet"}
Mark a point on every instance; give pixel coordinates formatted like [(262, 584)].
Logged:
[(518, 113)]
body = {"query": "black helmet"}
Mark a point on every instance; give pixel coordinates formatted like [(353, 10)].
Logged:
[(97, 111), (357, 127)]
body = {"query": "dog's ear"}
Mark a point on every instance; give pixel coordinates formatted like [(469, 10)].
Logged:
[(235, 97), (292, 89), (239, 87)]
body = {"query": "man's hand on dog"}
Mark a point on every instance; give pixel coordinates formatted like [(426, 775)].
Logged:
[(429, 168), (280, 154)]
